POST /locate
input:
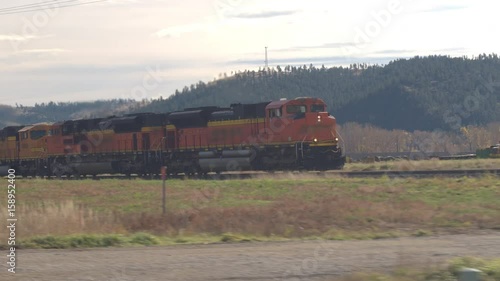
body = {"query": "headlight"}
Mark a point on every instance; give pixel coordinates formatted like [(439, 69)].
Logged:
[(337, 139), (315, 140)]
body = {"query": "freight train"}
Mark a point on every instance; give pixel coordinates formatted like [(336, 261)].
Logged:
[(296, 134)]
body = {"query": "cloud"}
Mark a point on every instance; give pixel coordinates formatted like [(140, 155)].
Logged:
[(263, 14), (42, 51), (392, 52), (16, 37), (413, 52), (443, 8), (68, 69), (336, 45), (20, 60), (119, 2), (177, 31), (331, 60), (449, 50)]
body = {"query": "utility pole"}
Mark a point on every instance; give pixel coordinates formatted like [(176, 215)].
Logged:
[(266, 62)]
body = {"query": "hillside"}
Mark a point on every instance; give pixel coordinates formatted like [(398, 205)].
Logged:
[(52, 112), (422, 93)]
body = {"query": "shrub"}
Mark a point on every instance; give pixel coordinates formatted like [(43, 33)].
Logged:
[(145, 239)]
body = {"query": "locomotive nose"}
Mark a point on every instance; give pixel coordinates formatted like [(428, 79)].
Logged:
[(323, 116), (317, 118), (320, 127)]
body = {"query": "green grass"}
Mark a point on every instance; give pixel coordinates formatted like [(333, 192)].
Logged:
[(285, 206), (432, 164), (490, 272), (75, 241), (136, 239), (141, 196)]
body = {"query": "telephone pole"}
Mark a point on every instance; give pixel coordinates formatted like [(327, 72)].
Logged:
[(266, 62)]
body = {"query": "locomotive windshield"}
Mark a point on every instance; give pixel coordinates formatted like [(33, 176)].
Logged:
[(317, 108), (276, 112), (296, 109), (37, 134)]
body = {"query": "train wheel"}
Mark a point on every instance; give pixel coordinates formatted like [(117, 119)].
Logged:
[(59, 170), (44, 173)]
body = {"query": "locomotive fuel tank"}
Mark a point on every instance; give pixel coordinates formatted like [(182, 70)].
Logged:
[(93, 168), (4, 170), (227, 160)]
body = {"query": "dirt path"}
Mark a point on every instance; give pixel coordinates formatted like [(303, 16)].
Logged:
[(311, 260)]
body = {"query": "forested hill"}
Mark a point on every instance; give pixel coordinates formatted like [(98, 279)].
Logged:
[(53, 112), (422, 93)]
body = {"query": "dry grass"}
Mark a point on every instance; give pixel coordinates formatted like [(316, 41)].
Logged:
[(490, 271), (64, 218), (286, 206), (432, 164)]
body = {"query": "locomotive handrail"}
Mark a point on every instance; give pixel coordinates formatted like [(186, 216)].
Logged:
[(342, 139), (302, 146), (163, 143), (158, 144)]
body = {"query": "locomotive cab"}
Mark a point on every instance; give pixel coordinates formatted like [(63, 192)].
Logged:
[(33, 140), (306, 124), (9, 138), (33, 154), (301, 119)]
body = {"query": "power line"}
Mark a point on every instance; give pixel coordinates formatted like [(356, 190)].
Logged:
[(39, 8), (33, 5)]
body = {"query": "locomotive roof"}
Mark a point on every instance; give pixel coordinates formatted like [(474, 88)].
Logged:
[(277, 104), (280, 103), (10, 130), (29, 127)]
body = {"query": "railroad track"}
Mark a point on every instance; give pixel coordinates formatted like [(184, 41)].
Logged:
[(361, 174), (419, 173), (350, 174)]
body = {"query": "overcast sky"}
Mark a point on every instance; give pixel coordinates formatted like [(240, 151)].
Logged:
[(146, 49)]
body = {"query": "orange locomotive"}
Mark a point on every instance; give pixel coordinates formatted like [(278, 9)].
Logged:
[(278, 135)]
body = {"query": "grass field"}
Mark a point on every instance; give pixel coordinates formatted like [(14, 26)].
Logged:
[(116, 212), (490, 271), (432, 164)]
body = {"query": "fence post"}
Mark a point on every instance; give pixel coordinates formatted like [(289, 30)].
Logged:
[(164, 192), (469, 274)]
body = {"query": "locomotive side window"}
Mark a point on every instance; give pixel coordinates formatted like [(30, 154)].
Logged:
[(54, 132), (317, 108), (276, 112), (296, 109), (36, 134)]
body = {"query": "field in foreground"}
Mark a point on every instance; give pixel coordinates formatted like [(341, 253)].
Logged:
[(120, 212), (401, 259)]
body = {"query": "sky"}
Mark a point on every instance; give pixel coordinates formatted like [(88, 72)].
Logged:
[(134, 49)]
